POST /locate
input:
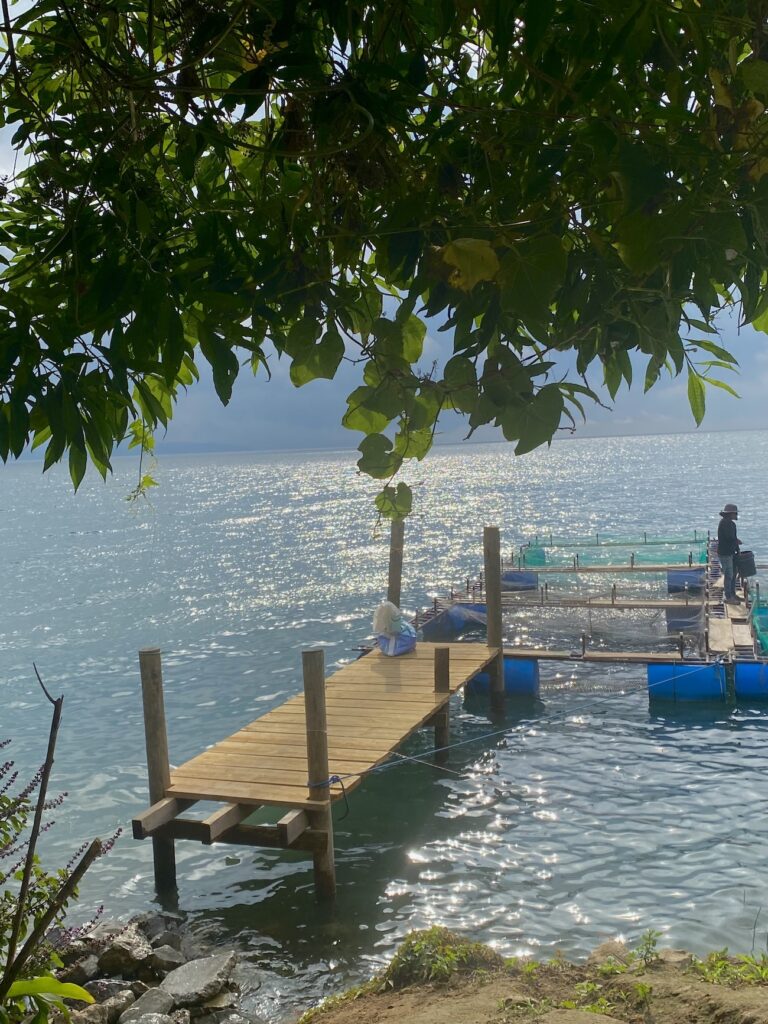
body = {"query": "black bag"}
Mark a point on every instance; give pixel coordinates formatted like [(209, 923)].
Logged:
[(744, 564)]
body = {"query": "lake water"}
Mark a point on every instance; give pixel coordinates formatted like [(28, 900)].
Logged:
[(594, 816)]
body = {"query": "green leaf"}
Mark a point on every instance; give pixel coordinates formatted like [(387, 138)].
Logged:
[(378, 460), (538, 419), (696, 397), (320, 361), (531, 274), (371, 409), (414, 332), (48, 986), (473, 260), (754, 74), (78, 462), (395, 502), (714, 350)]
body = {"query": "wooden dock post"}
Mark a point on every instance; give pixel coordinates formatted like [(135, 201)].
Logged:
[(158, 766), (313, 664), (492, 572), (442, 717), (396, 545)]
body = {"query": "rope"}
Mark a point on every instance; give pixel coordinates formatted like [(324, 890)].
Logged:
[(420, 759)]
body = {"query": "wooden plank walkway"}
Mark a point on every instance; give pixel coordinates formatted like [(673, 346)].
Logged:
[(523, 599), (373, 705), (628, 568)]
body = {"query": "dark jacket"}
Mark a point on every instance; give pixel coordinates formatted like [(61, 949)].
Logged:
[(727, 541)]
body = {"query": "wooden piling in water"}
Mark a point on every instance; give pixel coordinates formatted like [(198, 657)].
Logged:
[(396, 545), (442, 717), (492, 573), (158, 766), (313, 664)]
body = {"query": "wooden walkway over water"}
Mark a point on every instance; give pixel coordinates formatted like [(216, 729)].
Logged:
[(342, 726)]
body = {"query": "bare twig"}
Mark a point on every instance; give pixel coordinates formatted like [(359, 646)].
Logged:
[(56, 905), (9, 37), (34, 836)]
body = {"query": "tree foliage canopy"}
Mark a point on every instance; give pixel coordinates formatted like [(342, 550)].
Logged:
[(226, 178)]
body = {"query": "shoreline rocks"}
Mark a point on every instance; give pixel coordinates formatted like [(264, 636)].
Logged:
[(150, 971)]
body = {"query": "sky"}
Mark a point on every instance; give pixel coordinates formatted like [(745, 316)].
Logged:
[(272, 414)]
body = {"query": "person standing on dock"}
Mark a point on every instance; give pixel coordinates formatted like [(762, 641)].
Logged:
[(727, 548)]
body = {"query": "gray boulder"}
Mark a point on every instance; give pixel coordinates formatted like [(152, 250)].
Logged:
[(125, 952), (96, 1013), (103, 989), (165, 959), (154, 1001), (199, 980), (153, 925), (81, 971), (117, 1005), (168, 937)]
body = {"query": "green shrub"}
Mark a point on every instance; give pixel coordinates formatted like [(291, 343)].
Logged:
[(435, 955)]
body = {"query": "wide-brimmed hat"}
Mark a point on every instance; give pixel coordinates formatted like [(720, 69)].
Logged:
[(730, 510)]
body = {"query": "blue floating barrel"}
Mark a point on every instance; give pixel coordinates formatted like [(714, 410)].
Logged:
[(519, 579), (521, 679), (751, 679), (671, 681), (678, 578)]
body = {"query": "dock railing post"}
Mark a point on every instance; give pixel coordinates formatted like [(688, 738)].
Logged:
[(158, 766), (442, 718), (396, 545), (313, 664), (492, 573)]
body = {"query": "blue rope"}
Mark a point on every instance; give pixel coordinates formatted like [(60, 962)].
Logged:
[(405, 758)]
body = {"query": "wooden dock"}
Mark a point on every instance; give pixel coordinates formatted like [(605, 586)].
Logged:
[(303, 755), (372, 706)]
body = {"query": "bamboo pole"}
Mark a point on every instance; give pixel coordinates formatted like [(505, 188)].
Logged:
[(396, 545), (158, 766), (442, 717), (313, 663), (492, 573)]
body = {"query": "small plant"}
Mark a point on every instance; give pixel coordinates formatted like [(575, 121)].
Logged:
[(720, 968), (435, 955), (646, 950), (32, 900), (612, 966), (557, 961)]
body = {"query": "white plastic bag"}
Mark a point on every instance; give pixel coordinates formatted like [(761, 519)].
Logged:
[(393, 634)]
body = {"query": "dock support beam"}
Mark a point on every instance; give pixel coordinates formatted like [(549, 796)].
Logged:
[(492, 574), (396, 545), (313, 663), (442, 718), (158, 766)]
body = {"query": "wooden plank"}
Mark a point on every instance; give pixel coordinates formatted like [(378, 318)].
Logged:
[(742, 635), (269, 836), (158, 814), (238, 792), (613, 568), (720, 635), (257, 762), (216, 824), (292, 825)]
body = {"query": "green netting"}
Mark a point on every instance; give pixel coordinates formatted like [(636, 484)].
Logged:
[(759, 613), (532, 557), (599, 540)]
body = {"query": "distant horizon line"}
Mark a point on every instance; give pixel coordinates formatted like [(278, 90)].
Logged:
[(181, 448)]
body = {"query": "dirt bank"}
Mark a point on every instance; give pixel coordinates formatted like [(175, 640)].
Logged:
[(438, 978)]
